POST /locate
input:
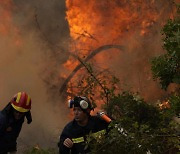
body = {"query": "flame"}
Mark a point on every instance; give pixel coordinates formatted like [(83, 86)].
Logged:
[(70, 64), (104, 22), (164, 105), (95, 23), (7, 28)]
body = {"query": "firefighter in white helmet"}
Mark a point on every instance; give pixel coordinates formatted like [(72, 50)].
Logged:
[(73, 137), (11, 120)]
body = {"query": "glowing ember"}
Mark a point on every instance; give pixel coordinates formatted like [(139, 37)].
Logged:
[(164, 105)]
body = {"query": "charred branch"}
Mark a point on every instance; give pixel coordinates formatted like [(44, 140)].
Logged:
[(93, 53), (104, 88)]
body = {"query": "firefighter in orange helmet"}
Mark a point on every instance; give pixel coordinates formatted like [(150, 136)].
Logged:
[(11, 120)]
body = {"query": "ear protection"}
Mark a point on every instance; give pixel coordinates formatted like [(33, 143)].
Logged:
[(82, 103), (70, 103)]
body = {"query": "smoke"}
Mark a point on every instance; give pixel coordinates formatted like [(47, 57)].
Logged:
[(33, 36)]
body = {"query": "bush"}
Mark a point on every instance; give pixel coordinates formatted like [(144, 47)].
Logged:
[(137, 128)]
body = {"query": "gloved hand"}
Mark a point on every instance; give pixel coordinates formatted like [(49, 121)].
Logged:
[(68, 143), (28, 117)]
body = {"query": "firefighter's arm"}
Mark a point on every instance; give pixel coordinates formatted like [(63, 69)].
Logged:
[(68, 143), (62, 148), (1, 127), (2, 124), (64, 142), (28, 117)]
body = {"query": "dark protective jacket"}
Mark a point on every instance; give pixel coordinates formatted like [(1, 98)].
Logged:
[(78, 135), (9, 129)]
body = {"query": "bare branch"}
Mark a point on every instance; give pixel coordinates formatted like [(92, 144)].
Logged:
[(93, 53), (104, 88)]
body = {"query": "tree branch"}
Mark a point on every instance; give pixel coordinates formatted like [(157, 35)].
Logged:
[(93, 53)]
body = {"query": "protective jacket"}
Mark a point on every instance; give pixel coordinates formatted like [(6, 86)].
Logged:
[(9, 130), (78, 134)]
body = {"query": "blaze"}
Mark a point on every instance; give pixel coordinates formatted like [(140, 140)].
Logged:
[(95, 23), (107, 21), (7, 28)]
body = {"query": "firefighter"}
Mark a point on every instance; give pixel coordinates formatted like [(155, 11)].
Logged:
[(11, 120), (73, 137)]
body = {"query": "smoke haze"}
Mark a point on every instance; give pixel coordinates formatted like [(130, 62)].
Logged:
[(29, 61)]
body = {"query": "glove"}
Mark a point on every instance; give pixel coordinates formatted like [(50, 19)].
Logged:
[(28, 117)]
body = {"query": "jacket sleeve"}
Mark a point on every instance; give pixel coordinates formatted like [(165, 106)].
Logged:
[(28, 117), (62, 148), (2, 124)]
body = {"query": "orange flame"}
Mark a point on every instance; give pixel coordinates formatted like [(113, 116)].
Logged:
[(95, 23), (104, 22), (7, 28), (164, 105)]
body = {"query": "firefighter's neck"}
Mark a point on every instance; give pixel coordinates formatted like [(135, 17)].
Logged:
[(83, 122)]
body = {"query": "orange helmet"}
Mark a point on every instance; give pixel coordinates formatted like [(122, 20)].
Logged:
[(21, 102)]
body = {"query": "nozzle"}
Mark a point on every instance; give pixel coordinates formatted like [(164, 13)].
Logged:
[(104, 117)]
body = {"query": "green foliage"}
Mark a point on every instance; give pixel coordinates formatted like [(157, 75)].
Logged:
[(174, 110), (138, 128), (166, 67)]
